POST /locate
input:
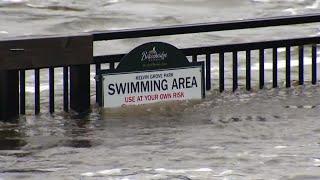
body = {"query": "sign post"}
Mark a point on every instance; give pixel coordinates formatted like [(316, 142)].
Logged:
[(152, 72)]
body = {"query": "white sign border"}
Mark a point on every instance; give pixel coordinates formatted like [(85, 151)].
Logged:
[(192, 65)]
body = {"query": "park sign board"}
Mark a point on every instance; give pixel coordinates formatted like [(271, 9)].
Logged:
[(152, 72)]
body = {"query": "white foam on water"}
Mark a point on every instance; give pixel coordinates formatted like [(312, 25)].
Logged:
[(280, 147), (203, 170), (268, 155), (215, 147), (183, 170), (214, 68), (88, 174), (315, 5), (308, 107), (226, 172), (281, 50), (267, 1), (13, 1), (43, 87), (52, 169), (102, 172), (292, 107), (113, 1), (109, 171), (160, 170), (170, 170), (292, 11), (4, 32), (282, 64), (316, 162)]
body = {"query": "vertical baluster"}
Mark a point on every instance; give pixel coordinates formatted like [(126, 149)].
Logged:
[(314, 64), (112, 66), (98, 87), (248, 70), (275, 67), (235, 70), (301, 63), (51, 90), (194, 58), (22, 92), (36, 91), (221, 71), (261, 68), (66, 89), (208, 71), (288, 64)]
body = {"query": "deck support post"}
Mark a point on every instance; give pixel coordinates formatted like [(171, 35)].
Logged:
[(9, 94), (80, 88)]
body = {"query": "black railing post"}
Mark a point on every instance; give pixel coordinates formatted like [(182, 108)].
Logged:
[(301, 56), (288, 67), (314, 64), (248, 70), (98, 91), (235, 70), (261, 68), (208, 71), (36, 91), (66, 89), (80, 88), (275, 67), (221, 71), (22, 92), (51, 90), (9, 94)]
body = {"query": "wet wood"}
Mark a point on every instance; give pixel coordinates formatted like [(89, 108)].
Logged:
[(9, 95), (45, 52), (80, 88)]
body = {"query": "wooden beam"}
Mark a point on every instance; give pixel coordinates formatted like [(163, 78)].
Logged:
[(45, 52)]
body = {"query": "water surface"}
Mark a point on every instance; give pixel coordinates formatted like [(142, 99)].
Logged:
[(267, 134)]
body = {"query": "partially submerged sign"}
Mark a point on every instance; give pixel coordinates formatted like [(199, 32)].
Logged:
[(152, 72)]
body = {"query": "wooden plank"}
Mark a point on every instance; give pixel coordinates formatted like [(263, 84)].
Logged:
[(46, 52)]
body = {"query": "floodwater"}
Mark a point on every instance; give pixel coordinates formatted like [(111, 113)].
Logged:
[(262, 134)]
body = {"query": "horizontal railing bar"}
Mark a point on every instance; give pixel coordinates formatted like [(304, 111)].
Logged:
[(225, 48), (251, 46), (205, 27), (108, 58)]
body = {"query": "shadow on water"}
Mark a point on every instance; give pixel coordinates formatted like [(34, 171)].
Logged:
[(11, 139)]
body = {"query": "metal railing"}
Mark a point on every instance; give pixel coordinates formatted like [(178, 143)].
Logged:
[(79, 74)]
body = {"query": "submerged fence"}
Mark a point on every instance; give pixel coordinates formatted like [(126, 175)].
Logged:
[(75, 55)]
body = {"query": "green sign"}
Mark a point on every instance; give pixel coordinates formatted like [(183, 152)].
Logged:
[(153, 55)]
